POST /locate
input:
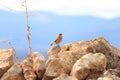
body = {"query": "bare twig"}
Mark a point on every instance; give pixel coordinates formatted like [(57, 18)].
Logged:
[(14, 52), (28, 28)]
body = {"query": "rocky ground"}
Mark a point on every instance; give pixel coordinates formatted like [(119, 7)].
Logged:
[(86, 60)]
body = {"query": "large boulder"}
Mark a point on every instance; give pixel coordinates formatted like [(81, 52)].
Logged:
[(112, 54), (14, 73), (73, 61), (98, 45), (52, 54), (6, 60), (55, 68), (69, 53), (38, 64), (34, 66), (89, 66), (69, 58), (77, 49), (28, 71)]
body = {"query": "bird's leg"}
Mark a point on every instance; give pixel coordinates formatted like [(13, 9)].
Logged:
[(51, 44), (58, 45)]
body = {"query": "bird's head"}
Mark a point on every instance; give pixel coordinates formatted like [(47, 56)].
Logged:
[(60, 33)]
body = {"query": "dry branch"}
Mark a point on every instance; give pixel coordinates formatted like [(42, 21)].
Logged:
[(28, 27)]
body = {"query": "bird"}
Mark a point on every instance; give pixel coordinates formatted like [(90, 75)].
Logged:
[(57, 40)]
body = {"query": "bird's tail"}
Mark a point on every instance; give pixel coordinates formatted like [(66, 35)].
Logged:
[(51, 44)]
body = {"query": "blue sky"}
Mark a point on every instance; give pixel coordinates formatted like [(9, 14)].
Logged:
[(76, 23)]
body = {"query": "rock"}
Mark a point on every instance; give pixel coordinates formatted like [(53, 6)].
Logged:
[(38, 64), (77, 49), (14, 73), (28, 71), (74, 61), (98, 45), (53, 63), (6, 60), (69, 58), (52, 53), (111, 74), (55, 68), (89, 65), (112, 54), (113, 77), (65, 77), (34, 66), (70, 53)]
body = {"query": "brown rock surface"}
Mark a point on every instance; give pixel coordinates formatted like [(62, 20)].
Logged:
[(28, 71), (77, 49), (70, 53), (112, 54), (38, 64), (69, 58), (6, 60), (34, 66), (111, 74), (53, 63), (14, 73), (98, 45), (65, 77), (52, 53), (88, 65), (74, 61), (55, 68), (113, 77)]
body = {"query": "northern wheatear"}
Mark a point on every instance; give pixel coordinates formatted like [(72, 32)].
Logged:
[(58, 40)]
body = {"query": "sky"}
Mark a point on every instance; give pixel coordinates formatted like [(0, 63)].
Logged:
[(77, 20)]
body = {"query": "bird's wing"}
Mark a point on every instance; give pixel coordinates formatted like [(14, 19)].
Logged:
[(56, 39)]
